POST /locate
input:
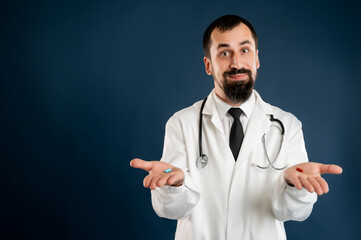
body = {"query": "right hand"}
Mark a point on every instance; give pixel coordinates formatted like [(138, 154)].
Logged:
[(157, 177)]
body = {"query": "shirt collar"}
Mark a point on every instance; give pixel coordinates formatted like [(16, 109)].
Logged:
[(222, 107)]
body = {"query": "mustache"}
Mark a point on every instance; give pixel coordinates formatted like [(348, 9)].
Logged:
[(237, 71)]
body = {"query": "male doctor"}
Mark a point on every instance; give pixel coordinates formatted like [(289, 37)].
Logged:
[(238, 194)]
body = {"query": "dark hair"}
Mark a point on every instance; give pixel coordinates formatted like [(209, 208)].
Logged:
[(225, 23)]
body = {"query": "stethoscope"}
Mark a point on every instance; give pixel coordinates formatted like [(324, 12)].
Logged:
[(202, 160)]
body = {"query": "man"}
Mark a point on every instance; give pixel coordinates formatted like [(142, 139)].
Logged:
[(245, 190)]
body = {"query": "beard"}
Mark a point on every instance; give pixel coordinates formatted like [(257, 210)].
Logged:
[(238, 91)]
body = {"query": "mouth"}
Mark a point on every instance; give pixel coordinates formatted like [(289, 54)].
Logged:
[(238, 77)]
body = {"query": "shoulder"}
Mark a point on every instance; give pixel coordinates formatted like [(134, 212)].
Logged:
[(286, 117), (282, 114), (291, 122), (188, 114)]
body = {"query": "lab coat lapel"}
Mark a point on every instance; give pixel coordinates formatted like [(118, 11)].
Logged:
[(258, 125), (210, 109), (223, 149)]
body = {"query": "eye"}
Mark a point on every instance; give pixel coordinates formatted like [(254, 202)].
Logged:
[(225, 54), (245, 50)]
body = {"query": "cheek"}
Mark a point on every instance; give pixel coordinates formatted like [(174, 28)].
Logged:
[(256, 62), (252, 64), (221, 67)]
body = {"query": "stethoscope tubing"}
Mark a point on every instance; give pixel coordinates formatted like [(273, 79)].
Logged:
[(203, 158), (200, 127)]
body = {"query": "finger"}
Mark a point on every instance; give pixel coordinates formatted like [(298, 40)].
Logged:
[(153, 183), (306, 184), (330, 169), (315, 185), (296, 182), (323, 184), (163, 180), (147, 180), (138, 163), (176, 179)]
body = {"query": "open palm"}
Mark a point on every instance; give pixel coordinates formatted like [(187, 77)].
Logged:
[(157, 177), (308, 175)]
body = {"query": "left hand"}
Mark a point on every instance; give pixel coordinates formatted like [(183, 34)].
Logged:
[(310, 178)]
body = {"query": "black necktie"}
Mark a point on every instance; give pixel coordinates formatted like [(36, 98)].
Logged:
[(236, 136)]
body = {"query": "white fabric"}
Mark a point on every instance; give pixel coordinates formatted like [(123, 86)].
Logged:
[(227, 119), (227, 199)]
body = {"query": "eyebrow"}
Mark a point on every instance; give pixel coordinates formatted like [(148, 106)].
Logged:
[(227, 45)]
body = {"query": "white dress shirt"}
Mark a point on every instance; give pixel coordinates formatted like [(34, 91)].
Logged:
[(227, 119)]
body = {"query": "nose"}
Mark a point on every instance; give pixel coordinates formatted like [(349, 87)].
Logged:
[(236, 62)]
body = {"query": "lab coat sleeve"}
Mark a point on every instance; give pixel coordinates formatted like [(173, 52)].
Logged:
[(288, 202), (175, 202)]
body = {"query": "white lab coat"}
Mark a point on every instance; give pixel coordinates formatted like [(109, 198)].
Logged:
[(228, 199)]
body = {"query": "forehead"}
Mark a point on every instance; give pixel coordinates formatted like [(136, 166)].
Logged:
[(236, 35)]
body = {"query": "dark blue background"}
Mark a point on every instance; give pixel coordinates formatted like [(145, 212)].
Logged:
[(88, 85)]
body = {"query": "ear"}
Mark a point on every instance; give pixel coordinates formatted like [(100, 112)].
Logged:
[(208, 65), (257, 60)]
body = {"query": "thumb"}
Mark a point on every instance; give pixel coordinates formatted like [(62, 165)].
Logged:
[(139, 163), (330, 168)]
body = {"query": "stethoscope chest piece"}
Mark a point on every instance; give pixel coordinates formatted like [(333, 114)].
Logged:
[(202, 161)]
